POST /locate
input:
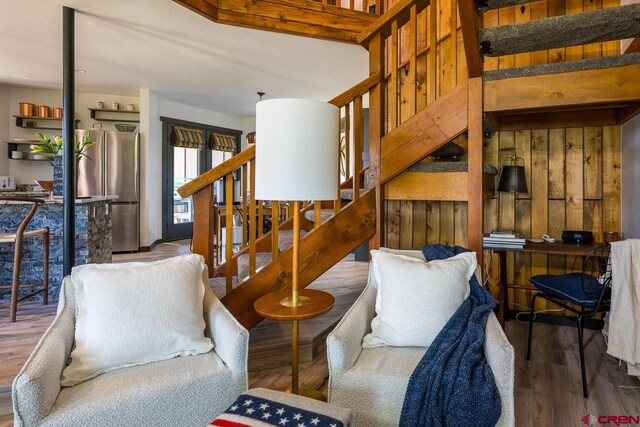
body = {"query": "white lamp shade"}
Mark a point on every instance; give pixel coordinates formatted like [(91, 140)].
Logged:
[(296, 150)]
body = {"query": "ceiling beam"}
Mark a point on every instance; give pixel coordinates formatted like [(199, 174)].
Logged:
[(302, 18), (470, 22)]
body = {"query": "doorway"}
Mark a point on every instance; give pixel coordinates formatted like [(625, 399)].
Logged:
[(188, 150)]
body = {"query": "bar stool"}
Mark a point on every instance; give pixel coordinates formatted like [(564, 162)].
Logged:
[(17, 239)]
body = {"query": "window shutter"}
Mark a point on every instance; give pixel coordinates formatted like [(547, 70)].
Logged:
[(222, 142), (188, 138)]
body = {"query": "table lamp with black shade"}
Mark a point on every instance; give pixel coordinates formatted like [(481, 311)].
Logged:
[(512, 179), (296, 160)]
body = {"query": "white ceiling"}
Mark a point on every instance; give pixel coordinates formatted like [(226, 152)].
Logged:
[(125, 45)]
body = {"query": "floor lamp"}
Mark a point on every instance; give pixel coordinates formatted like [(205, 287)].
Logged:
[(296, 160)]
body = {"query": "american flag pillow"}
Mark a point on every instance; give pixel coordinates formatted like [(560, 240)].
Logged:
[(253, 411)]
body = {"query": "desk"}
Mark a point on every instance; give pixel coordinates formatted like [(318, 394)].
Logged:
[(556, 248)]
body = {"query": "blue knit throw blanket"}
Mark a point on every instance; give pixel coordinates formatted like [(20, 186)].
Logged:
[(453, 384)]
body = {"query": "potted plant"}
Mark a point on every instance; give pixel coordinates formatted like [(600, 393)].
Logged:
[(52, 149)]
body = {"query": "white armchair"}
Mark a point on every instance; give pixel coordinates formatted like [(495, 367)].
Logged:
[(187, 391), (372, 383)]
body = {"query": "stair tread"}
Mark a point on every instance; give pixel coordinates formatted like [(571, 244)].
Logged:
[(564, 67), (499, 4), (325, 214), (347, 193), (614, 23)]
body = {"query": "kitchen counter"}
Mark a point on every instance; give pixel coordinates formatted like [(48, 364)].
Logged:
[(93, 239), (48, 201)]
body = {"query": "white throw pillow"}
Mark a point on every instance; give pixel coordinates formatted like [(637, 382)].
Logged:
[(135, 313), (416, 298)]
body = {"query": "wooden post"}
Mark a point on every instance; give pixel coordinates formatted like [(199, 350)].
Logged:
[(475, 208), (228, 254), (204, 225), (275, 222), (376, 127), (253, 229)]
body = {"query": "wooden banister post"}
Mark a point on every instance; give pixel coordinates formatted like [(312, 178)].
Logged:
[(204, 225), (475, 201), (376, 129)]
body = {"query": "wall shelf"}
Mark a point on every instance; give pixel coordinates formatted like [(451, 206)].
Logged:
[(13, 146), (99, 114), (21, 121)]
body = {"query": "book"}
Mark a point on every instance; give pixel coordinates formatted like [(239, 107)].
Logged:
[(490, 245), (516, 239), (502, 233)]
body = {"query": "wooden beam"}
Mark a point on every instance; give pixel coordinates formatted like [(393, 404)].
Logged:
[(575, 89), (319, 250), (360, 89), (627, 113), (442, 186), (558, 119), (300, 17), (475, 203), (469, 20), (433, 126)]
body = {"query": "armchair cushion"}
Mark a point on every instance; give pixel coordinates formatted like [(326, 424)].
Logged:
[(416, 299), (135, 313)]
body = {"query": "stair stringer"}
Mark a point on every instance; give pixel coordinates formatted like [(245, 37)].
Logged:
[(320, 250), (440, 122)]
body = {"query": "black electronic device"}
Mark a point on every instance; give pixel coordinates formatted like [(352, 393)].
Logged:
[(575, 236)]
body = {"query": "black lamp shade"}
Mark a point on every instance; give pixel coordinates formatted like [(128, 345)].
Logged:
[(513, 180)]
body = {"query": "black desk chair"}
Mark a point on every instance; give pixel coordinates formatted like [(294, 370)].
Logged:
[(585, 294)]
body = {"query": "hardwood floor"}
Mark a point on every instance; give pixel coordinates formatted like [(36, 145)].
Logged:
[(547, 392)]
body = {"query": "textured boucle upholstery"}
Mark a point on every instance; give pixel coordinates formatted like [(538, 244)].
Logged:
[(373, 382), (189, 390)]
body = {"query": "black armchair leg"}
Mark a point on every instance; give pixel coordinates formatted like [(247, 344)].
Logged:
[(581, 346), (531, 314)]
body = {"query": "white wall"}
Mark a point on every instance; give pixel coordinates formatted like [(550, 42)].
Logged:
[(154, 106), (247, 124), (24, 171), (631, 178), (4, 130)]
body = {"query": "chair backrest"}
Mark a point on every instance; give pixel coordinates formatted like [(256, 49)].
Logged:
[(596, 278), (34, 206)]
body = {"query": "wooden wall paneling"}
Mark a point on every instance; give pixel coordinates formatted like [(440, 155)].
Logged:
[(522, 267), (453, 40), (490, 19), (460, 213), (406, 224), (539, 189), (522, 13), (444, 18), (422, 85), (555, 8), (593, 163), (433, 222), (393, 92), (556, 264), (419, 224), (461, 61), (611, 162), (593, 218), (573, 53), (574, 178), (538, 10), (446, 76), (522, 143), (393, 224), (506, 16), (491, 260), (431, 61), (556, 164), (593, 50), (447, 223)]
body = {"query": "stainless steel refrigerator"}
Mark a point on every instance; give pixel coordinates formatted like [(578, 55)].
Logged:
[(114, 170)]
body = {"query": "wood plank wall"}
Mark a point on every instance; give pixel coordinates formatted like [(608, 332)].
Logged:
[(412, 224), (573, 174)]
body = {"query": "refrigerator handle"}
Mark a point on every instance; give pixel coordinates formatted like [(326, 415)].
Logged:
[(105, 162)]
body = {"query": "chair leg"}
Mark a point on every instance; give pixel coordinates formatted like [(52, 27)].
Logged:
[(15, 284), (531, 314), (585, 390), (45, 267)]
